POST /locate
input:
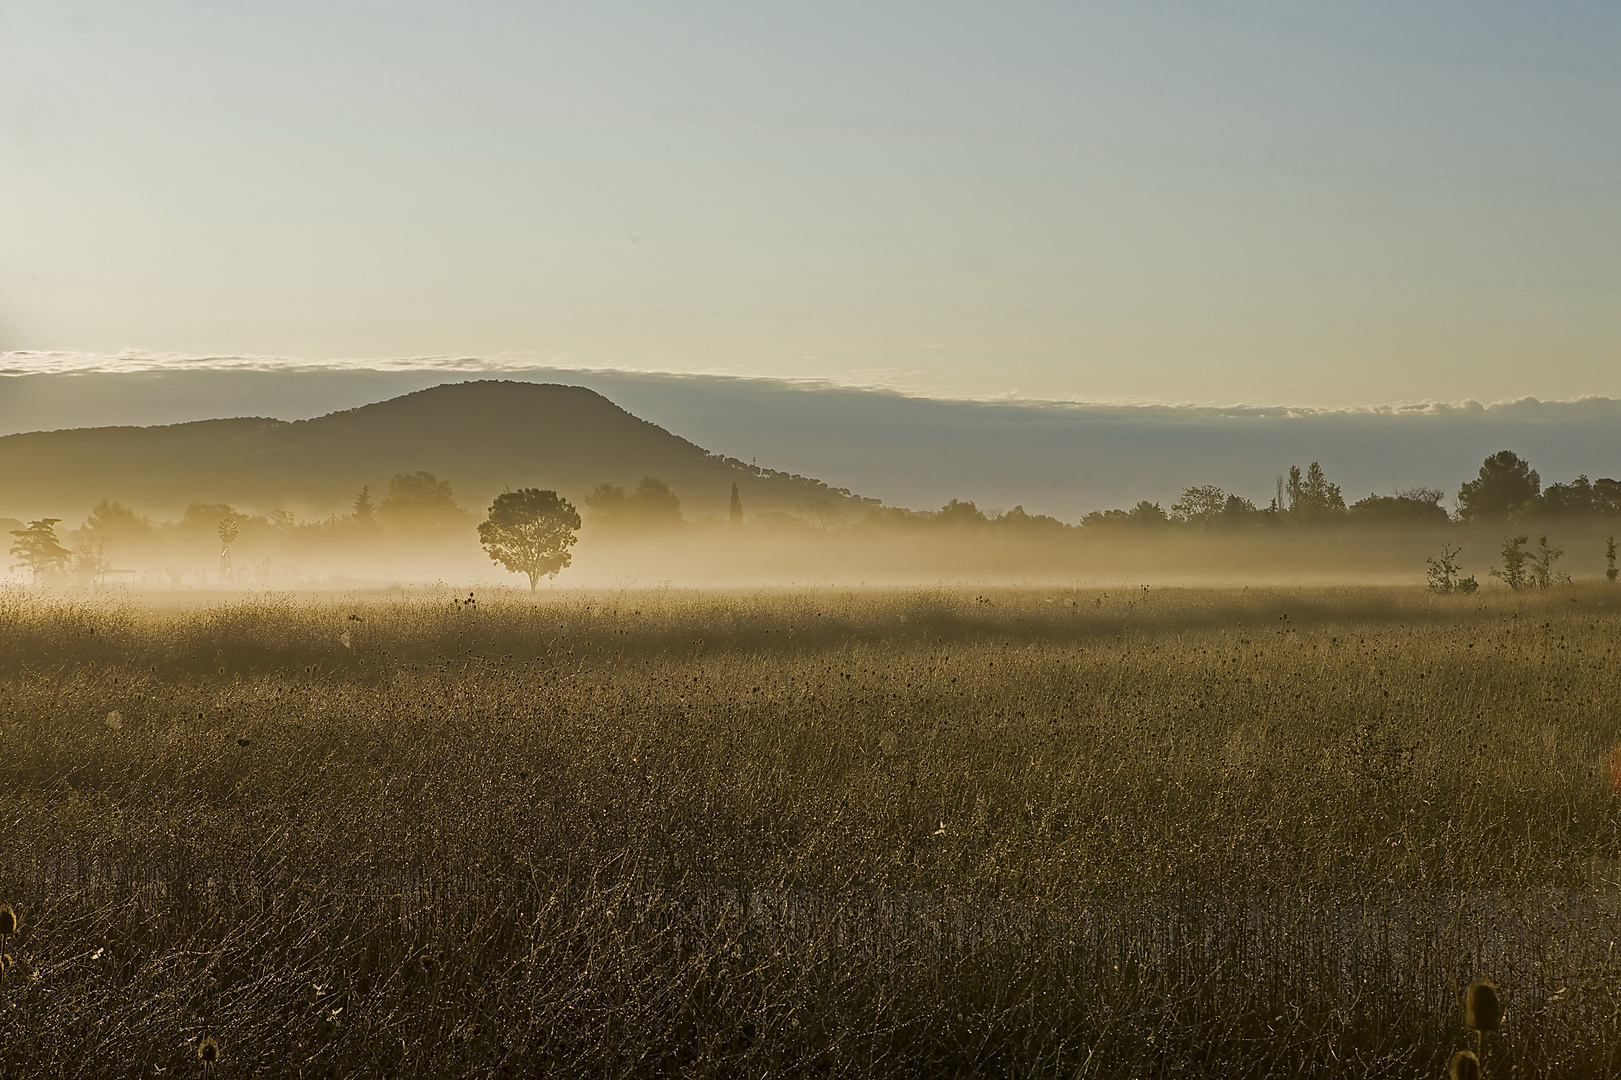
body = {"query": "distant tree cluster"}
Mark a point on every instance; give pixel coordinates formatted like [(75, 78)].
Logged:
[(1506, 489), (650, 505), (961, 514), (418, 500), (1144, 513), (1509, 489), (418, 505)]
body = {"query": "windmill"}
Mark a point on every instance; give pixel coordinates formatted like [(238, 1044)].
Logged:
[(227, 537)]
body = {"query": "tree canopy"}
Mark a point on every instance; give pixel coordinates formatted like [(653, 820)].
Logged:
[(1506, 483), (1412, 506), (421, 499), (530, 531), (114, 520), (38, 550), (1581, 497), (652, 505), (1312, 498), (1145, 513), (1206, 504)]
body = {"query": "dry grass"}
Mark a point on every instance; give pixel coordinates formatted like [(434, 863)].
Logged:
[(931, 833)]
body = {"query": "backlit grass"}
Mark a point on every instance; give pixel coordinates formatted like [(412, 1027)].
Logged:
[(937, 832)]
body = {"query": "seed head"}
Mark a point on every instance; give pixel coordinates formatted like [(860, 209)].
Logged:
[(8, 920), (421, 969), (1482, 1009), (1464, 1066), (208, 1051)]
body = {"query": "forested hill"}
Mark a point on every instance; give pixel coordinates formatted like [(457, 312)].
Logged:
[(482, 437)]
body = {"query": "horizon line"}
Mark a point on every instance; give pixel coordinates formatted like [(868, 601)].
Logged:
[(20, 363)]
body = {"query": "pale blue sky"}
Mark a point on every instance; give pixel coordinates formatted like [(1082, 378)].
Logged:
[(1258, 202)]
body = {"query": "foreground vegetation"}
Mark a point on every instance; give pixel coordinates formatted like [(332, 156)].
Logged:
[(1037, 833)]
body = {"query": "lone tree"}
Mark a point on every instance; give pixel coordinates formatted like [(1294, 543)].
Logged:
[(38, 550), (529, 531)]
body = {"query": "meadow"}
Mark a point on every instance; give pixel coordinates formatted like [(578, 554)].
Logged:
[(832, 832)]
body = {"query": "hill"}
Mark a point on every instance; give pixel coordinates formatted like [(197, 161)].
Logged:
[(481, 436), (1053, 458)]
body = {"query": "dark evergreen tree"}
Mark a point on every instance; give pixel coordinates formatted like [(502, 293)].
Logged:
[(1506, 484), (1312, 499), (38, 550)]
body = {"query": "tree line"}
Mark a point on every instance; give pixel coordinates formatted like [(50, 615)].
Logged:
[(1506, 488), (531, 531), (528, 531)]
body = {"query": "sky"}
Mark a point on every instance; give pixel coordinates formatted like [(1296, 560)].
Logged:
[(1213, 203)]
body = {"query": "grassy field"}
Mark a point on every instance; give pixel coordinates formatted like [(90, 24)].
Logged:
[(931, 833)]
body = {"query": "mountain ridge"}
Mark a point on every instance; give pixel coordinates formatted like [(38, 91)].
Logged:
[(482, 436)]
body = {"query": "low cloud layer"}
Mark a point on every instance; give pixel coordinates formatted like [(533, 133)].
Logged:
[(1052, 457)]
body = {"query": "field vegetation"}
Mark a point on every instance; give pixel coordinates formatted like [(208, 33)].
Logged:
[(935, 832)]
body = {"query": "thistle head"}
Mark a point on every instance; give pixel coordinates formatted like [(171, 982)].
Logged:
[(1482, 1008), (8, 920), (208, 1050), (1464, 1066)]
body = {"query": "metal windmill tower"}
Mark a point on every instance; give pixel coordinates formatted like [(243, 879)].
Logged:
[(227, 536)]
